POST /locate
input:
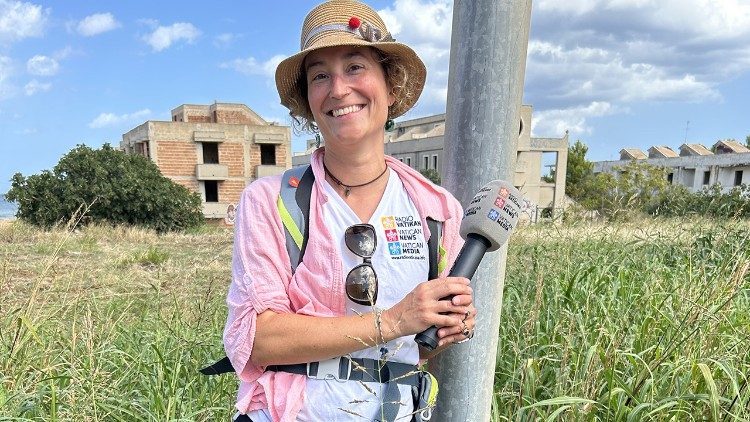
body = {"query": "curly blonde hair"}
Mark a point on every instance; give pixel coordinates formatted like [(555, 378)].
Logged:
[(404, 89)]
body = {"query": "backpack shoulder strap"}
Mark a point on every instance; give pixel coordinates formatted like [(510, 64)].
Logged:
[(435, 249), (294, 209)]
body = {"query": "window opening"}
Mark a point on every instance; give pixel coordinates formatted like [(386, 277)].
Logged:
[(210, 153), (738, 177), (212, 190), (268, 154), (706, 177)]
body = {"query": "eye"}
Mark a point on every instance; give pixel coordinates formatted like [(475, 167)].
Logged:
[(355, 67), (318, 76)]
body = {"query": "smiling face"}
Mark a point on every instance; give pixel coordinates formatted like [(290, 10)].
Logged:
[(348, 94)]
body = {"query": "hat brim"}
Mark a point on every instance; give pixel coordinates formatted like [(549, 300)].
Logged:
[(288, 72)]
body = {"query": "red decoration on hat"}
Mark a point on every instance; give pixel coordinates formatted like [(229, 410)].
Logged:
[(293, 182), (354, 22)]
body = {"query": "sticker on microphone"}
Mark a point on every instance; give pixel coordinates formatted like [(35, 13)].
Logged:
[(495, 216), (505, 194)]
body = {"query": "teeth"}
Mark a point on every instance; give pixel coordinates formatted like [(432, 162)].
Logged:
[(346, 110)]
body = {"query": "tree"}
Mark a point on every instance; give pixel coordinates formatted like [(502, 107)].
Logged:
[(635, 188), (747, 141), (579, 170), (113, 187), (432, 175)]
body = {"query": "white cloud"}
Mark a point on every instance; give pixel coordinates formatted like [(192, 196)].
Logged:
[(164, 36), (251, 66), (35, 86), (19, 20), (42, 66), (556, 121), (225, 40), (27, 131), (624, 52), (96, 24), (64, 53), (6, 70), (430, 37), (111, 119)]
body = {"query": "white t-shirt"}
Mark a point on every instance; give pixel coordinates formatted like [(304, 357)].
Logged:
[(401, 262)]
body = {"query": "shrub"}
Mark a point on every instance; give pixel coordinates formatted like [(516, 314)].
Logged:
[(112, 187), (635, 189), (432, 175), (711, 201)]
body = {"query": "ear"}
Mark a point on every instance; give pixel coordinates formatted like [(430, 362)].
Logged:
[(391, 98)]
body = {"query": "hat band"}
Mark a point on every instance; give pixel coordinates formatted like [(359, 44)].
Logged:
[(365, 31), (329, 27)]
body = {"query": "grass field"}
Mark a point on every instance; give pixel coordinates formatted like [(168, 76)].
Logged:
[(625, 322)]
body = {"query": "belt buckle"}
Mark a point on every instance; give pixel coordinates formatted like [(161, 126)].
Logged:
[(329, 369)]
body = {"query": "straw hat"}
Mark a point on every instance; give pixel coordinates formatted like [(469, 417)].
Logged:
[(347, 22)]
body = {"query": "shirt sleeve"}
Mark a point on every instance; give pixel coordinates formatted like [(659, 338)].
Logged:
[(261, 272)]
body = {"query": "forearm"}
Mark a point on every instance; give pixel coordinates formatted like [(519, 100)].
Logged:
[(291, 338)]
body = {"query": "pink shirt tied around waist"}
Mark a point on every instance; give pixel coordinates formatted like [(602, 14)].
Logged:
[(262, 277)]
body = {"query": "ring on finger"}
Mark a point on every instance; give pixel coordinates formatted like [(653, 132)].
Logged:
[(465, 330), (466, 316)]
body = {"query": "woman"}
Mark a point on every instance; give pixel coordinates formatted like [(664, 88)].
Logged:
[(349, 78)]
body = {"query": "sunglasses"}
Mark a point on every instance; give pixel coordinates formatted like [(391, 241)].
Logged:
[(362, 282)]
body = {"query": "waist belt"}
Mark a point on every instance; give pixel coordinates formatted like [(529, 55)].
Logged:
[(345, 368)]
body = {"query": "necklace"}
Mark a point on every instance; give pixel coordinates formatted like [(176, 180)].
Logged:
[(348, 188)]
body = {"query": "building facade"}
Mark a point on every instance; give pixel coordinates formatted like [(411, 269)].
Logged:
[(214, 150), (419, 144), (696, 167)]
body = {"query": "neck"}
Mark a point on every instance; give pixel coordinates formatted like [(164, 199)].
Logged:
[(354, 168)]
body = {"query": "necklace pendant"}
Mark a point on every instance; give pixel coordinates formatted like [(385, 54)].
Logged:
[(347, 191)]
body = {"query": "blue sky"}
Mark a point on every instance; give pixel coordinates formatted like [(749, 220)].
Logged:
[(615, 73)]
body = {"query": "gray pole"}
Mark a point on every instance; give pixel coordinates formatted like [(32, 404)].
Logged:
[(485, 88)]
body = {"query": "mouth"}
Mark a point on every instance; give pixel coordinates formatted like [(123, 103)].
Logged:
[(345, 110)]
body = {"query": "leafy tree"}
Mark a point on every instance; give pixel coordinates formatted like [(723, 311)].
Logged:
[(579, 170), (747, 141), (636, 188), (432, 175), (114, 187)]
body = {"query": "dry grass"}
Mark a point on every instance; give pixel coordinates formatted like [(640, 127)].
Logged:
[(645, 320)]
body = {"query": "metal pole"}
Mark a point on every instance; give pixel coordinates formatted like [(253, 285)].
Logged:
[(485, 88)]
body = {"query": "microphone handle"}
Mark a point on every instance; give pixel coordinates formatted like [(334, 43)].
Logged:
[(466, 265)]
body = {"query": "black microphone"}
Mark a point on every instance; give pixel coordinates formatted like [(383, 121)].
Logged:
[(488, 221)]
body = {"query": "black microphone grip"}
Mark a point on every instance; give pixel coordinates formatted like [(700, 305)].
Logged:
[(466, 265)]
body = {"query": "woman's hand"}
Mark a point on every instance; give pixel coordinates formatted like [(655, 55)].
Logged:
[(422, 308)]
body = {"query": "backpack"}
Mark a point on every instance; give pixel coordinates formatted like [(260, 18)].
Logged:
[(293, 206)]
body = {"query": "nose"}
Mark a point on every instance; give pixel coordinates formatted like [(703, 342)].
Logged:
[(339, 87)]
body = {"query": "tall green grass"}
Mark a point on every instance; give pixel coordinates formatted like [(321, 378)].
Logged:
[(640, 321), (631, 322)]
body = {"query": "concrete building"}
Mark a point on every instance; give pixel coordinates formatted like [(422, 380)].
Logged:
[(695, 167), (419, 144), (215, 150)]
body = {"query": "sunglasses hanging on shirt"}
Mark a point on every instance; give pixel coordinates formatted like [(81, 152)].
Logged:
[(362, 282)]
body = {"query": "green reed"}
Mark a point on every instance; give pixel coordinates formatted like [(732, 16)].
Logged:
[(630, 322)]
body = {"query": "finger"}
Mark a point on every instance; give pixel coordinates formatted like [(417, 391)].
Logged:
[(462, 300), (454, 289), (461, 280)]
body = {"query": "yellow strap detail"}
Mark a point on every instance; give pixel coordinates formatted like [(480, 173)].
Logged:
[(288, 222), (432, 398), (442, 259)]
